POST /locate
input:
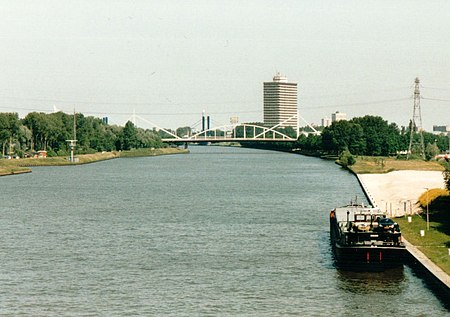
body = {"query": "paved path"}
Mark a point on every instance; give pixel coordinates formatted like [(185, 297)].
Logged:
[(430, 266), (398, 191)]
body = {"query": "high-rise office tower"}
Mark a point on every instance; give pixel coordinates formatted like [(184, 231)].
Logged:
[(338, 116), (280, 102)]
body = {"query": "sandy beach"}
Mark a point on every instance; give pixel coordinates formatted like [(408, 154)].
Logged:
[(397, 192)]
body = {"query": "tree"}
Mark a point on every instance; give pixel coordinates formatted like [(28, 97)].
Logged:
[(182, 131), (343, 135), (346, 158), (9, 128), (446, 174), (431, 150), (380, 137), (129, 134)]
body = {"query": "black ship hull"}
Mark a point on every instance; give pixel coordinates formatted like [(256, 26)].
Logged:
[(367, 258), (366, 250)]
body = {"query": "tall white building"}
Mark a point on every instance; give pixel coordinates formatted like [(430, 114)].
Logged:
[(338, 116), (326, 122), (280, 102)]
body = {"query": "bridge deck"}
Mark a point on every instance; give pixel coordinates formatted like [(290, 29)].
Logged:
[(223, 139)]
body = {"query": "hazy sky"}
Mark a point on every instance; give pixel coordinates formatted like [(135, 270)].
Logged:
[(168, 60)]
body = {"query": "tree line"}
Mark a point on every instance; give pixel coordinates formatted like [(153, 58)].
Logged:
[(50, 132), (372, 136), (368, 135)]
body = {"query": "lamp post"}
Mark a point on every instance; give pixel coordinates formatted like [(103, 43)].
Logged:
[(428, 218)]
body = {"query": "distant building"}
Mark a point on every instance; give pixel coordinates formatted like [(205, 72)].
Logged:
[(441, 128), (326, 122), (338, 116), (280, 102), (234, 120)]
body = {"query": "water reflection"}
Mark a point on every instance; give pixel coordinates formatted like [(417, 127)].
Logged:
[(387, 282)]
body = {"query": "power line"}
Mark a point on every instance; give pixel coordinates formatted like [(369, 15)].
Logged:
[(436, 99), (357, 93), (435, 88), (131, 103), (343, 105), (357, 104)]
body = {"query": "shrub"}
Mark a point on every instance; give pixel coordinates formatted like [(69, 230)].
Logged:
[(446, 174), (432, 195), (346, 158), (51, 153), (62, 153)]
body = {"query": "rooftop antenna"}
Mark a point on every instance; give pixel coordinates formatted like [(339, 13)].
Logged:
[(416, 124), (73, 142)]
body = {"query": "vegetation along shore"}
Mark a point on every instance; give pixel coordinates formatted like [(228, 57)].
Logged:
[(20, 166), (40, 139)]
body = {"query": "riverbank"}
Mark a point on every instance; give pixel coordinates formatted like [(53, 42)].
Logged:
[(397, 193), (20, 166), (378, 165)]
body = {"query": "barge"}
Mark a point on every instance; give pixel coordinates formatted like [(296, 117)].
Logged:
[(364, 239)]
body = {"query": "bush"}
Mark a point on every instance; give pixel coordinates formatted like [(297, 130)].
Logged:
[(446, 174), (431, 196), (51, 153), (62, 153), (346, 158)]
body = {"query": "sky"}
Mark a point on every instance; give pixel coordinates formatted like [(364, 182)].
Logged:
[(166, 61)]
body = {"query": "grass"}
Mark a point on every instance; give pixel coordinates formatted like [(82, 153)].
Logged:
[(371, 164), (434, 244), (11, 170), (17, 166), (152, 152)]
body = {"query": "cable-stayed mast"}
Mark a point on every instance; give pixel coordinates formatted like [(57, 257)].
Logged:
[(416, 125)]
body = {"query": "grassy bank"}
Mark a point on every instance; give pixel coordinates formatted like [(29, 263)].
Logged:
[(152, 152), (371, 164), (434, 244), (18, 166)]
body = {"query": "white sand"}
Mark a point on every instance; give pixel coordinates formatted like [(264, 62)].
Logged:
[(391, 191)]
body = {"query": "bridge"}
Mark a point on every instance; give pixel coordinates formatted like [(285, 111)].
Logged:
[(238, 132), (233, 133)]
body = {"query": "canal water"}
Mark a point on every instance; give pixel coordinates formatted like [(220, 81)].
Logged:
[(218, 232)]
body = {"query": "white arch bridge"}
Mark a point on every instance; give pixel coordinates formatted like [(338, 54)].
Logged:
[(239, 132), (233, 133)]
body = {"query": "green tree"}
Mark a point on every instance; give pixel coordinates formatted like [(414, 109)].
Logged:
[(346, 158), (9, 128), (431, 150), (343, 135), (182, 131), (446, 174), (129, 134), (380, 137)]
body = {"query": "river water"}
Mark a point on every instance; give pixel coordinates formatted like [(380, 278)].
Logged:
[(218, 232)]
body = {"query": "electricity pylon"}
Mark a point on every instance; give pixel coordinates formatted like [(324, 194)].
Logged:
[(416, 125)]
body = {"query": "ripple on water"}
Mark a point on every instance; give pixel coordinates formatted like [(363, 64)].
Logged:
[(223, 231)]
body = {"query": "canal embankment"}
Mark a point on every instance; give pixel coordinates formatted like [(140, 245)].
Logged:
[(397, 193), (20, 166)]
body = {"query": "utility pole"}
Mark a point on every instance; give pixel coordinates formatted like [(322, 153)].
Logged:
[(73, 142), (416, 123)]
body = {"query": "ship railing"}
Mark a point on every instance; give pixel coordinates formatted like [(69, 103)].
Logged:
[(386, 237)]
